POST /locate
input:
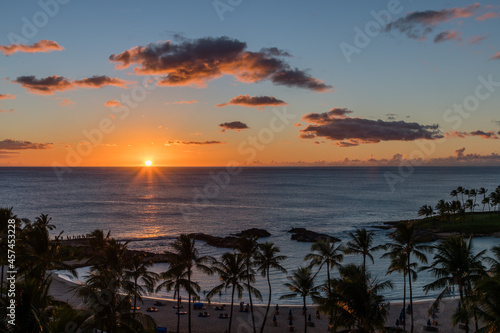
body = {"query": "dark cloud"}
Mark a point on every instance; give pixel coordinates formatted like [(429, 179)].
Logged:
[(348, 132), (195, 62), (459, 153), (41, 46), (9, 144), (418, 24), (234, 125), (193, 143), (51, 84), (482, 134), (447, 35), (255, 101)]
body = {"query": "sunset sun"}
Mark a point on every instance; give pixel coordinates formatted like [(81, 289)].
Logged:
[(148, 163)]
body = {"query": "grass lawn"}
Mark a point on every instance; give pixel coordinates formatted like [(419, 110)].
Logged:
[(480, 223)]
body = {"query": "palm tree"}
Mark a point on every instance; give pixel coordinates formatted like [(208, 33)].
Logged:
[(232, 271), (495, 262), (482, 191), (455, 264), (487, 304), (302, 284), (405, 240), (361, 242), (469, 203), (399, 264), (247, 247), (355, 301), (176, 278), (426, 211), (186, 255), (137, 271), (443, 207), (266, 259), (461, 190)]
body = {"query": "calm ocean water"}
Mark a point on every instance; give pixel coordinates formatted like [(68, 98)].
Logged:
[(151, 206)]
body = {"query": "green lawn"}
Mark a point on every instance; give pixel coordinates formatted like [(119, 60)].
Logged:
[(480, 223)]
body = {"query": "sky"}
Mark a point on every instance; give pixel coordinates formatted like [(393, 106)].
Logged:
[(216, 83)]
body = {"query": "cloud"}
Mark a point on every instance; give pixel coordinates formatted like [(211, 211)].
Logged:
[(51, 84), (234, 125), (195, 62), (417, 25), (184, 102), (193, 143), (459, 153), (496, 56), (9, 144), (349, 132), (5, 111), (7, 96), (487, 16), (113, 103), (255, 101), (41, 46), (482, 134), (65, 101), (448, 35), (476, 39)]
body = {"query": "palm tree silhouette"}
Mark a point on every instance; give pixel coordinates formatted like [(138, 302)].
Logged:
[(487, 304), (186, 255), (302, 284), (361, 242), (482, 191), (355, 301), (455, 264), (232, 271), (248, 247), (137, 271), (407, 241), (266, 259)]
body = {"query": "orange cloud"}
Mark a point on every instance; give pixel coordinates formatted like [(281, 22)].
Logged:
[(184, 102), (113, 103), (41, 46), (51, 84), (192, 143), (255, 101), (193, 63), (496, 56), (7, 96), (9, 144), (65, 101), (487, 16)]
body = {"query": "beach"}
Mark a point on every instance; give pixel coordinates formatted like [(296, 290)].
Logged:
[(62, 289)]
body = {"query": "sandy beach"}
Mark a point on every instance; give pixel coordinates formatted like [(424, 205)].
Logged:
[(166, 315)]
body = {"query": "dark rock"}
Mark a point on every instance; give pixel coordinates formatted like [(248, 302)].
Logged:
[(304, 235), (224, 242), (254, 232)]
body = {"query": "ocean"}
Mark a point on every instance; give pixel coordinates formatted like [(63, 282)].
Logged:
[(151, 206)]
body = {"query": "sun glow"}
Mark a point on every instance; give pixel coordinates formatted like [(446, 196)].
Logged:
[(148, 163)]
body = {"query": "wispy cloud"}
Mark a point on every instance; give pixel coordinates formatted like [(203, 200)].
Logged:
[(487, 16), (183, 102), (478, 133), (65, 101), (113, 103), (196, 62), (51, 84), (448, 35), (496, 56), (255, 101), (417, 25), (41, 46), (9, 144), (193, 143), (7, 96)]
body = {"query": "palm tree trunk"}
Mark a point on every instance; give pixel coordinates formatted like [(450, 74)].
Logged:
[(364, 264), (460, 289), (135, 296), (231, 314), (329, 289), (189, 301), (305, 315), (178, 307), (268, 302), (404, 301), (250, 297), (411, 293)]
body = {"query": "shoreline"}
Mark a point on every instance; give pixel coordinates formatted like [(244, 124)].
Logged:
[(61, 289)]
